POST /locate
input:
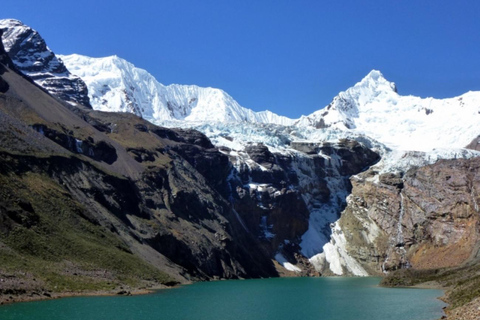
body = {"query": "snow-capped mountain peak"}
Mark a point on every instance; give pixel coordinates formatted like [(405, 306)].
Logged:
[(372, 86), (344, 108), (372, 107), (33, 57), (117, 85)]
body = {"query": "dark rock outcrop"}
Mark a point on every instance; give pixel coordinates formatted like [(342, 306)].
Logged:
[(3, 86), (475, 144), (99, 151)]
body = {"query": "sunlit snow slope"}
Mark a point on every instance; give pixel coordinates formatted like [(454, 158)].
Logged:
[(117, 85)]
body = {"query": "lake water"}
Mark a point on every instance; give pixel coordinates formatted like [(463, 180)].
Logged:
[(265, 299)]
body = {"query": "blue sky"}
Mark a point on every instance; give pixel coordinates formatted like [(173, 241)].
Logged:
[(291, 57)]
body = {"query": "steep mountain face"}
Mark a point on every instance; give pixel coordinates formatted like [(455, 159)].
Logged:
[(116, 85), (33, 58), (368, 235)]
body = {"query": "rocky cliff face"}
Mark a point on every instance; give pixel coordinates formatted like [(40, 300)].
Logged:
[(33, 58), (475, 144), (425, 218)]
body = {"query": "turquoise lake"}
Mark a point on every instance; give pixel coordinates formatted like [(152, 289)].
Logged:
[(264, 299)]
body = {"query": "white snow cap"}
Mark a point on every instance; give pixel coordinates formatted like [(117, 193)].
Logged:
[(374, 108)]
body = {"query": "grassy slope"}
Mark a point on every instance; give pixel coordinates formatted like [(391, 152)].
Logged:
[(47, 236), (48, 242)]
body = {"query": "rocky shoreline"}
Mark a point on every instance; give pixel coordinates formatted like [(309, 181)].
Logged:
[(12, 296)]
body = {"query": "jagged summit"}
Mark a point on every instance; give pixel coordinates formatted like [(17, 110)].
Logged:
[(348, 103), (33, 58), (12, 23), (340, 113), (117, 85)]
